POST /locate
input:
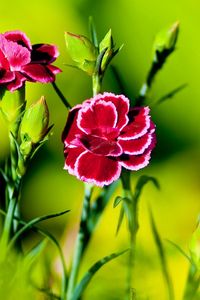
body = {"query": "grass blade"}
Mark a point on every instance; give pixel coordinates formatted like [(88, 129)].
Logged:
[(162, 257), (91, 272)]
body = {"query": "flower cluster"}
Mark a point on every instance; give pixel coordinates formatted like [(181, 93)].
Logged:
[(103, 134), (20, 61)]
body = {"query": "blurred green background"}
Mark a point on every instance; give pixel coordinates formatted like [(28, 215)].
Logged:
[(175, 162)]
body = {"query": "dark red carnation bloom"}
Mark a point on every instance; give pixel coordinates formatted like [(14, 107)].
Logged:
[(104, 134), (20, 62)]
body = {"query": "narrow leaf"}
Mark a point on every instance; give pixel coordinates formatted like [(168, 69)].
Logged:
[(162, 257), (33, 222), (93, 33), (91, 272), (180, 250), (144, 179), (121, 217), (117, 201), (99, 61), (35, 252), (172, 93)]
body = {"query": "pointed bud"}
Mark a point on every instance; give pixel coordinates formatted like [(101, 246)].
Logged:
[(82, 51), (107, 43), (34, 125), (12, 104), (165, 41), (194, 246)]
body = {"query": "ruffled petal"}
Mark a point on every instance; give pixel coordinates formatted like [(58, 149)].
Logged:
[(121, 104), (71, 155), (37, 72), (136, 146), (138, 125), (71, 130), (16, 55), (17, 82), (96, 169), (44, 53), (19, 37), (53, 69), (100, 115), (6, 76), (4, 64), (100, 145), (135, 162)]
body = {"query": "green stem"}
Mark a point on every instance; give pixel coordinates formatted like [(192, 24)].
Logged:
[(82, 239), (96, 84), (133, 227), (61, 96), (8, 223)]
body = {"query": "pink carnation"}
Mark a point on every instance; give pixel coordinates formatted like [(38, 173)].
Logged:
[(20, 61), (104, 134)]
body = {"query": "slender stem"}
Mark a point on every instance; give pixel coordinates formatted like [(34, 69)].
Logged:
[(133, 227), (96, 84), (80, 242), (61, 96), (13, 199)]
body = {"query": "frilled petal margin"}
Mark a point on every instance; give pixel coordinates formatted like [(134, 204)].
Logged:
[(18, 37), (44, 53), (96, 169), (121, 104), (135, 162), (139, 123), (71, 156), (136, 146), (102, 115), (17, 82), (38, 72)]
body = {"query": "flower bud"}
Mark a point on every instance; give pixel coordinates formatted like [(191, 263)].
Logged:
[(82, 51), (34, 125), (12, 104), (194, 246), (107, 43), (166, 41)]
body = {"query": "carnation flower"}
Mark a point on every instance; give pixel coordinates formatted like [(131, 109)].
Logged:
[(20, 61), (104, 134)]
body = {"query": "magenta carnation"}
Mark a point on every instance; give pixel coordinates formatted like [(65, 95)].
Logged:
[(104, 134), (20, 61)]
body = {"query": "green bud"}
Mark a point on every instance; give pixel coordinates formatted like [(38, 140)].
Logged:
[(34, 125), (12, 105), (166, 40), (81, 50), (194, 246), (107, 43)]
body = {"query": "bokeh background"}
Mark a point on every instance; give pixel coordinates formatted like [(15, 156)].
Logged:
[(175, 162)]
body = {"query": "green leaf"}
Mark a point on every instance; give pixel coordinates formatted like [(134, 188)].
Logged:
[(33, 222), (35, 252), (180, 250), (93, 33), (172, 93), (162, 257), (55, 243), (120, 219), (142, 181), (91, 272), (117, 201)]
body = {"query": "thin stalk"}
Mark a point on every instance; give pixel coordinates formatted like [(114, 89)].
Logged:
[(96, 84), (80, 242), (133, 227), (61, 96)]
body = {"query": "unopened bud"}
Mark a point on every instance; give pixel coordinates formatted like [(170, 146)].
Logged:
[(12, 105), (166, 40), (82, 51), (34, 125), (107, 43)]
